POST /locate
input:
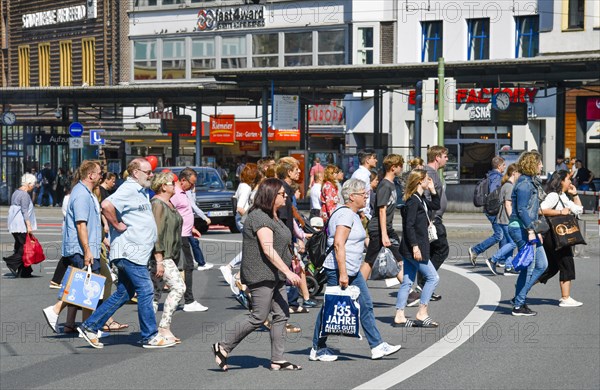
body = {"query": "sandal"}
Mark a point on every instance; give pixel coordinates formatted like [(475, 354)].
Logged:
[(407, 324), (298, 310), (426, 323), (284, 366), (176, 340), (114, 327), (292, 329), (220, 359)]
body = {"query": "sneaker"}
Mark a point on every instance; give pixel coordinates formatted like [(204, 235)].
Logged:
[(89, 336), (569, 302), (492, 266), (510, 272), (158, 341), (435, 297), (322, 355), (51, 318), (55, 286), (500, 264), (205, 266), (100, 334), (523, 311), (384, 349), (413, 299), (391, 282), (310, 303), (194, 306), (472, 256)]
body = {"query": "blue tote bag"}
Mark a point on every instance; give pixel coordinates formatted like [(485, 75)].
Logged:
[(340, 314), (525, 256)]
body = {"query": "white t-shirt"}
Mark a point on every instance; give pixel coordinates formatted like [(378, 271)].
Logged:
[(552, 202), (354, 244), (243, 196), (315, 196), (364, 175)]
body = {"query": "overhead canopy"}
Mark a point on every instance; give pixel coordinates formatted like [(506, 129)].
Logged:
[(239, 87)]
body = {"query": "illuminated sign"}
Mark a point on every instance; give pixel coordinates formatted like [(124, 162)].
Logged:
[(55, 16), (230, 18), (484, 95)]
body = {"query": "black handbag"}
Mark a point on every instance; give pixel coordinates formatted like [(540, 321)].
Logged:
[(565, 230)]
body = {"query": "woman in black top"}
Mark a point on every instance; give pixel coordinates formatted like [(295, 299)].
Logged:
[(265, 268), (414, 248)]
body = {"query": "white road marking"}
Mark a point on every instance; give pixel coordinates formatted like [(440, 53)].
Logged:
[(489, 297)]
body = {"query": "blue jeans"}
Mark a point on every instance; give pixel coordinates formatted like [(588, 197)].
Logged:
[(133, 278), (529, 276), (427, 270), (507, 247), (77, 261), (43, 190), (493, 239), (198, 255), (367, 317)]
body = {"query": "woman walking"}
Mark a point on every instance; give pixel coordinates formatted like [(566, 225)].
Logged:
[(330, 196), (266, 266)]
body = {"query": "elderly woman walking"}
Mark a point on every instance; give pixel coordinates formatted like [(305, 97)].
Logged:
[(342, 265), (266, 266), (21, 222)]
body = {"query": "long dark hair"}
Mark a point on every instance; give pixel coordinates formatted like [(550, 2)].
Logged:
[(555, 183), (265, 196)]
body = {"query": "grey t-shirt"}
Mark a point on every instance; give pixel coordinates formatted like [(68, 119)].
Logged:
[(505, 195), (256, 267), (385, 196), (439, 188), (354, 244)]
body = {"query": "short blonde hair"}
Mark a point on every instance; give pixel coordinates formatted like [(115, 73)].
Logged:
[(160, 179), (528, 163), (28, 178)]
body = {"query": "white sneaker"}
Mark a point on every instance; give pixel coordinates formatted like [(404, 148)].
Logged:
[(51, 318), (391, 282), (90, 337), (569, 302), (322, 355), (205, 266), (384, 349), (158, 341), (472, 256), (194, 306)]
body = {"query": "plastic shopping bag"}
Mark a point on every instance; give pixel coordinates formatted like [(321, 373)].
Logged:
[(385, 265), (32, 251), (340, 314), (525, 256)]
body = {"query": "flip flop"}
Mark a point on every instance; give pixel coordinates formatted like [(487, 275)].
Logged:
[(284, 366), (426, 323), (299, 310), (407, 324), (222, 362), (292, 329), (114, 327)]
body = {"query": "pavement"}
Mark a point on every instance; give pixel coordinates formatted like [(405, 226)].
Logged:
[(479, 345)]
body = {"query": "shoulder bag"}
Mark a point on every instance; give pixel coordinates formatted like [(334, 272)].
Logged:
[(564, 230)]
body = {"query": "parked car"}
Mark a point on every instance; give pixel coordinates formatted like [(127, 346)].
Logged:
[(212, 196)]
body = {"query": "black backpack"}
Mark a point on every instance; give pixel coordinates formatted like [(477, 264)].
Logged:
[(316, 246), (482, 190), (492, 202)]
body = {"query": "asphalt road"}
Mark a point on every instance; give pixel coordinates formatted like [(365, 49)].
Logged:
[(479, 344)]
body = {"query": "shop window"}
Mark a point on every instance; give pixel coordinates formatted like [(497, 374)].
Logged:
[(233, 52), (528, 36), (24, 66), (431, 41), (575, 19), (88, 61), (331, 47), (144, 60), (298, 49), (44, 64), (478, 39), (203, 56), (265, 50), (66, 64), (173, 59), (365, 47)]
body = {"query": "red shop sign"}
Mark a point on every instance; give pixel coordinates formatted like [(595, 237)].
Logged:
[(484, 95), (222, 128)]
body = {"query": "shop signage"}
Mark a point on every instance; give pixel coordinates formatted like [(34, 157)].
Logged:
[(222, 128), (484, 95), (246, 146), (292, 135), (326, 114), (233, 18), (46, 139), (55, 16), (484, 113), (251, 131)]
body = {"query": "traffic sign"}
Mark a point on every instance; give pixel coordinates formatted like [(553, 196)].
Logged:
[(76, 143), (76, 129), (96, 137)]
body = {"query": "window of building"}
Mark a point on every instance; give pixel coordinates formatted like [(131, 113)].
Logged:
[(44, 64), (172, 2), (145, 3), (88, 61), (432, 41), (233, 52), (576, 12), (24, 66), (298, 48), (365, 47), (66, 64), (528, 36), (331, 47), (173, 59), (478, 39), (144, 60), (203, 55), (265, 50)]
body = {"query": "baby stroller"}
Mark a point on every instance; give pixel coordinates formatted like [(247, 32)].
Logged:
[(315, 276)]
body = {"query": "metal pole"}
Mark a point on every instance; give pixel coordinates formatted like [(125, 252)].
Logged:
[(441, 98), (418, 115), (198, 161), (264, 150), (376, 121), (79, 155)]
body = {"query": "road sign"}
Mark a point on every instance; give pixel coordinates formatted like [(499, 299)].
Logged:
[(76, 129), (76, 143), (96, 137)]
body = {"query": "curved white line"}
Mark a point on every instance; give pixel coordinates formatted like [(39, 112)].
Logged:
[(489, 297)]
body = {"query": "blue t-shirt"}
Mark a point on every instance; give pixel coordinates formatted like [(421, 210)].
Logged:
[(133, 208), (355, 243), (83, 206)]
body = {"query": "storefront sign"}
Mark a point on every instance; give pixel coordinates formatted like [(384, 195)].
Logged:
[(287, 135), (55, 16), (222, 128), (230, 18), (326, 114), (484, 95), (246, 146), (251, 131), (483, 113), (46, 139)]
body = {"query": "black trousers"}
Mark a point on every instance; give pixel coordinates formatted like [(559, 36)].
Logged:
[(439, 249), (15, 261), (188, 268)]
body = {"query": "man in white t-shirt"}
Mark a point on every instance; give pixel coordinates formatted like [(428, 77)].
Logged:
[(368, 161)]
